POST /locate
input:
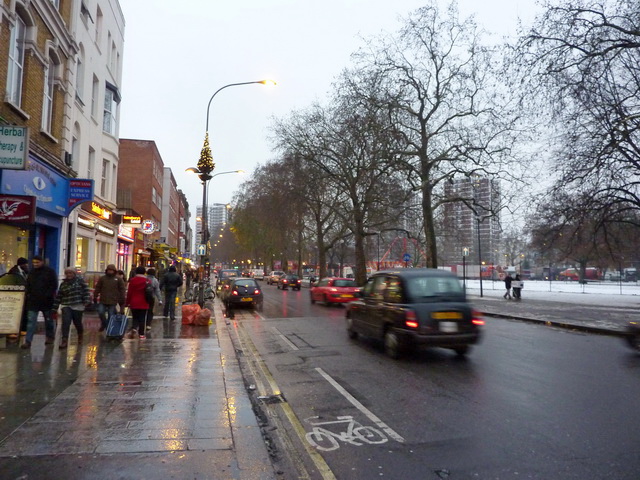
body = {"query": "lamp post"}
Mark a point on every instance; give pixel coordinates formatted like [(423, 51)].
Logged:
[(203, 170)]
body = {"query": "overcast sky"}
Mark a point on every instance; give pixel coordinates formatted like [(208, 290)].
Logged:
[(176, 58)]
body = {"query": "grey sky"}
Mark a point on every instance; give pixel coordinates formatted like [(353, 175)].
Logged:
[(176, 58)]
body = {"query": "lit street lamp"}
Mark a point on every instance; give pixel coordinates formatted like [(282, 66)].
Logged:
[(203, 170)]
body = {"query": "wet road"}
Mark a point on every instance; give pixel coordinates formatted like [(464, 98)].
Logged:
[(529, 402)]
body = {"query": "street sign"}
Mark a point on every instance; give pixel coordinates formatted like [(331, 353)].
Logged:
[(406, 257), (201, 249), (465, 252)]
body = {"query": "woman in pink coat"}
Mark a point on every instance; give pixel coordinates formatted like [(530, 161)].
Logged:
[(137, 302)]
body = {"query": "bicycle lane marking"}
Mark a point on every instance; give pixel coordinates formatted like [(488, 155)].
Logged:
[(368, 413)]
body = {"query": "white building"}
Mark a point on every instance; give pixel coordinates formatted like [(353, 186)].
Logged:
[(91, 133)]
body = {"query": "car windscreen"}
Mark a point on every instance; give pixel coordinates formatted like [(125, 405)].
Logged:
[(344, 283), (424, 287)]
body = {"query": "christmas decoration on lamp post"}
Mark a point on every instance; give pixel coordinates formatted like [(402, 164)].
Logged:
[(203, 170)]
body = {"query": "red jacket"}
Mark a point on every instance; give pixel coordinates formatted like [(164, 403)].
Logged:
[(135, 293)]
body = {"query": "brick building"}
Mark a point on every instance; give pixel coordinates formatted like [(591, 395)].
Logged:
[(37, 52), (140, 188)]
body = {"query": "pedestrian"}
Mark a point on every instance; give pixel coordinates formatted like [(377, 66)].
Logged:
[(73, 296), (42, 284), (507, 284), (516, 285), (109, 292), (151, 276), (137, 301), (21, 270), (121, 274), (170, 283)]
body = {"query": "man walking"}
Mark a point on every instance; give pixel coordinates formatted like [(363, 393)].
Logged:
[(170, 283), (507, 284), (109, 292), (42, 283)]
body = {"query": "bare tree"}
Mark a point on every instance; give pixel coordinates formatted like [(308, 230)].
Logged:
[(581, 62), (450, 114), (350, 141)]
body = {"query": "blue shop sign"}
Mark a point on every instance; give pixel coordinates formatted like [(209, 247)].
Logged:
[(38, 180)]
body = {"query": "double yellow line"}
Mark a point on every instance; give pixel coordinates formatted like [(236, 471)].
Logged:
[(259, 371)]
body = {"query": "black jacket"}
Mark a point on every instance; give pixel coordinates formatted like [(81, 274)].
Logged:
[(42, 284), (171, 281)]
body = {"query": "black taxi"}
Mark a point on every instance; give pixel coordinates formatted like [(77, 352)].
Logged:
[(415, 306)]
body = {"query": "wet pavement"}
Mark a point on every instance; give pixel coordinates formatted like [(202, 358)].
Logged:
[(609, 318), (173, 405)]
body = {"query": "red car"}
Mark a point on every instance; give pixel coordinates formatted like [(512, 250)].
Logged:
[(335, 290)]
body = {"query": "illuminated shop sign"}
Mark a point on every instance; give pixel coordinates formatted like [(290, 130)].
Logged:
[(125, 232), (101, 211), (134, 220), (106, 230), (85, 222)]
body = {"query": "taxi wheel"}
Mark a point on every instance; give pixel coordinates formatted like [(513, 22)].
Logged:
[(392, 345), (326, 301), (350, 331), (462, 350)]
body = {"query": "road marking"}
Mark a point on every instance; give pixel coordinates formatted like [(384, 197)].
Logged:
[(370, 415), (356, 434), (285, 339), (257, 365)]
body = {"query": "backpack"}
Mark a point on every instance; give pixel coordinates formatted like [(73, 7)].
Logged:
[(148, 292)]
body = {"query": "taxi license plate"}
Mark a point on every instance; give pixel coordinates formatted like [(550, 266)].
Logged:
[(448, 327), (446, 316), (345, 295), (247, 299)]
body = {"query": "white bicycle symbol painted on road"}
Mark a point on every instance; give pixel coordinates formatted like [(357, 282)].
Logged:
[(356, 434)]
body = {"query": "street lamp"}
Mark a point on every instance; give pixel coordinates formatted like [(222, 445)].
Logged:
[(205, 167)]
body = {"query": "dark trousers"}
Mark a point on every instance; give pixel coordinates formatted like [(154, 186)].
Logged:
[(138, 320), (69, 315), (32, 324), (170, 303), (152, 304)]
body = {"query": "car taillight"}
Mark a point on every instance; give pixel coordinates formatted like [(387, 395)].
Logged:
[(235, 292), (256, 292), (411, 319), (284, 281), (476, 320)]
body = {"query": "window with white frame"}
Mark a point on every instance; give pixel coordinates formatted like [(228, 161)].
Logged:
[(94, 96), (75, 147), (111, 100), (56, 3), (104, 180), (80, 75), (16, 62), (99, 17), (91, 163), (47, 101)]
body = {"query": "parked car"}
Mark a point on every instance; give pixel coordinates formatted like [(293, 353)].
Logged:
[(334, 290), (242, 292), (410, 307), (287, 280), (225, 274), (274, 276)]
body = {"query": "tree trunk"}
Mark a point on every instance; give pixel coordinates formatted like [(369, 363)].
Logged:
[(429, 228)]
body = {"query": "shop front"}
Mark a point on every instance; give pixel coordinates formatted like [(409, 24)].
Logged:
[(17, 214), (124, 253), (42, 236), (95, 245)]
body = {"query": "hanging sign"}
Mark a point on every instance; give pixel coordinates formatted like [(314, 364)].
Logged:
[(148, 227)]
